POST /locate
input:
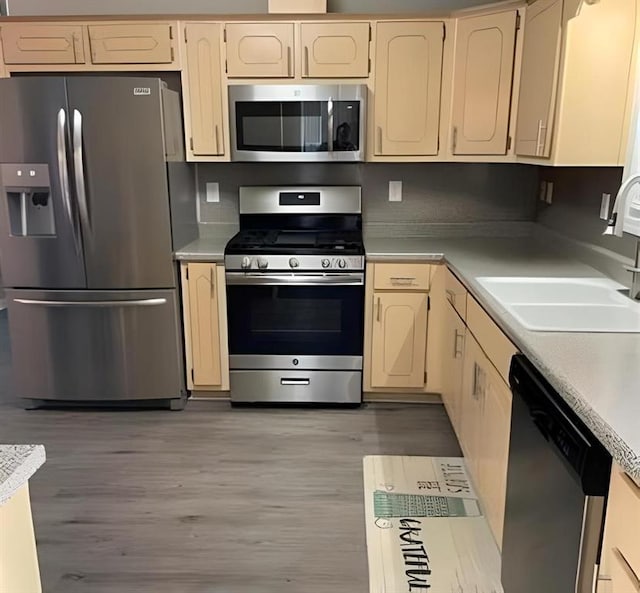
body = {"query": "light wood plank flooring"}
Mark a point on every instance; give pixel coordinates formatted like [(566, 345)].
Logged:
[(212, 499)]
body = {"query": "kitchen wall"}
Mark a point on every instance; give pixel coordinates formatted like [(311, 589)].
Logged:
[(432, 192), (575, 208), (53, 7)]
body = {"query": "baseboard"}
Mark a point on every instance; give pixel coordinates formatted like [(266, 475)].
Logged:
[(403, 398)]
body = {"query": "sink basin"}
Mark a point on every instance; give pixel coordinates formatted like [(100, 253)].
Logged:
[(566, 304)]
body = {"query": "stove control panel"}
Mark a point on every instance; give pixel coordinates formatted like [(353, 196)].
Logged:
[(297, 263)]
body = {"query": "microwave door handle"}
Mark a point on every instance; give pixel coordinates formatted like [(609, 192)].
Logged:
[(330, 124)]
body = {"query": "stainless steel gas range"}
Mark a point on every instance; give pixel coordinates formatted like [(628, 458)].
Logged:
[(295, 296)]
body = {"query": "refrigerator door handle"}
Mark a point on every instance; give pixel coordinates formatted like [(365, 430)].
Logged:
[(63, 172), (78, 162), (91, 304)]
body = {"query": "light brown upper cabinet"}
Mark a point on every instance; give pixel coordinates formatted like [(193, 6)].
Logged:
[(335, 50), (135, 43), (42, 44), (408, 76), (399, 340), (203, 92), (539, 78), (259, 50), (482, 79)]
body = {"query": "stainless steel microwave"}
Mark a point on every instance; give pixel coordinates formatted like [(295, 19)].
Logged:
[(301, 122)]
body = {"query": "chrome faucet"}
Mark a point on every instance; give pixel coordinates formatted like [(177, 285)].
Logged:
[(622, 220)]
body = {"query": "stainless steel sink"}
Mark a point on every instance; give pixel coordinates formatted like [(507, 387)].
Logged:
[(566, 304)]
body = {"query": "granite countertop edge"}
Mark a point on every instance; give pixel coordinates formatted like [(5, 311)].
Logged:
[(18, 463)]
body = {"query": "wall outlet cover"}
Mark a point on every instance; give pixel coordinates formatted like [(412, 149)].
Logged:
[(213, 192), (395, 191), (549, 196), (604, 206), (542, 192)]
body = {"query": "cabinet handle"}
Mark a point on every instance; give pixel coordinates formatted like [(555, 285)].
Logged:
[(379, 306), (628, 568), (289, 61), (451, 296), (539, 141), (454, 139), (627, 478), (295, 382), (379, 140), (458, 345), (215, 131), (478, 381), (403, 281), (306, 60)]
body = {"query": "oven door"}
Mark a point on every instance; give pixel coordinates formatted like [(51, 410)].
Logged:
[(297, 123), (295, 321)]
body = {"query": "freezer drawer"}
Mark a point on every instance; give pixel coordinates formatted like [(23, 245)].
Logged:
[(95, 345)]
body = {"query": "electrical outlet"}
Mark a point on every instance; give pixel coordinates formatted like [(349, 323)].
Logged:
[(213, 192), (395, 191), (542, 192), (604, 206), (549, 196)]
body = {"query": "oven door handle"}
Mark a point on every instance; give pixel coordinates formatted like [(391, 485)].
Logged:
[(347, 279)]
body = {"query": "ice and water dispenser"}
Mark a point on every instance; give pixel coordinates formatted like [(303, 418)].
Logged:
[(28, 193)]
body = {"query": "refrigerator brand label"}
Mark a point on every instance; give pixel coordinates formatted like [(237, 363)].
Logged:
[(142, 90)]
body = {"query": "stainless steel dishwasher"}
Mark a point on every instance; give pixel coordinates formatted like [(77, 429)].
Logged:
[(558, 477)]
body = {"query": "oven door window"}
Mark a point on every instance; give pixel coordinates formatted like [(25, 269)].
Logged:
[(300, 320), (297, 126)]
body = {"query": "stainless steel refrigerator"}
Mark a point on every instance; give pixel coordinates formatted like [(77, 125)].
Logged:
[(95, 197)]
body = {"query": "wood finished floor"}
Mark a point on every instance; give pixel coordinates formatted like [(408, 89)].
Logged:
[(209, 500)]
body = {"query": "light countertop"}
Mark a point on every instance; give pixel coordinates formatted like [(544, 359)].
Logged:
[(597, 374), (17, 464)]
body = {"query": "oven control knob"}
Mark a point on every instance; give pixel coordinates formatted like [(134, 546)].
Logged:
[(246, 263), (342, 263), (325, 263), (263, 263), (294, 263)]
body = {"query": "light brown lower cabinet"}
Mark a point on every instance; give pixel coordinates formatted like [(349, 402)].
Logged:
[(454, 336), (399, 339), (484, 420), (620, 562), (205, 326)]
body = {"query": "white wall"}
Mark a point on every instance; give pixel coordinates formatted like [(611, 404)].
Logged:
[(59, 7)]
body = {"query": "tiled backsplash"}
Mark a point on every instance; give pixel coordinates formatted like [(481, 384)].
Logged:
[(432, 192), (575, 208)]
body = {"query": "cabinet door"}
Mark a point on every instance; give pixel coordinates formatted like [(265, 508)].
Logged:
[(204, 323), (408, 79), (42, 44), (453, 352), (139, 43), (493, 450), (483, 73), (539, 78), (335, 50), (259, 50), (399, 340), (204, 103), (474, 384)]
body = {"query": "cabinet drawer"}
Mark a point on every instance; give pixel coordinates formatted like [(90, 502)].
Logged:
[(131, 44), (456, 294), (42, 44), (623, 518), (495, 344), (402, 277)]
